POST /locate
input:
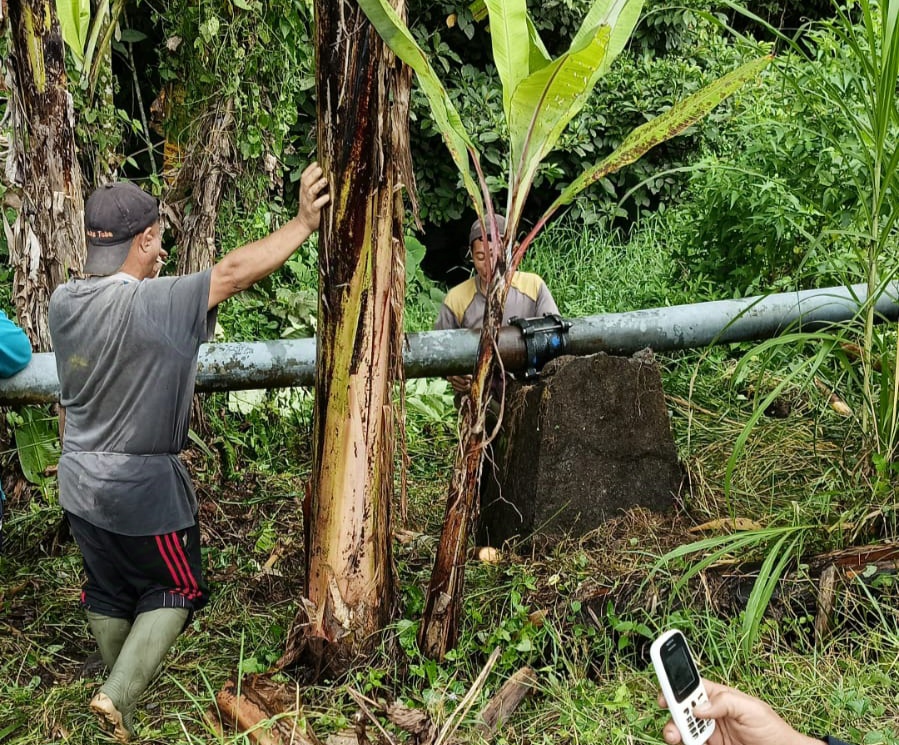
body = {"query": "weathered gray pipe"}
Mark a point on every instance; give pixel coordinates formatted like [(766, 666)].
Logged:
[(277, 364)]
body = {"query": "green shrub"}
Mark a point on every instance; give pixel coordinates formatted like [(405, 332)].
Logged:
[(773, 202)]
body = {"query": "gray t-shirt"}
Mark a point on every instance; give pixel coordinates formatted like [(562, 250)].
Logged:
[(126, 355)]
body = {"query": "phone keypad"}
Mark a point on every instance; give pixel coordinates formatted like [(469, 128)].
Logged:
[(696, 726)]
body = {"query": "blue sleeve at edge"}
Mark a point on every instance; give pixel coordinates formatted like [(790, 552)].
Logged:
[(15, 349)]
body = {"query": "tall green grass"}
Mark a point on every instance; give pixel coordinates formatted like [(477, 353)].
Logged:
[(865, 36), (591, 272)]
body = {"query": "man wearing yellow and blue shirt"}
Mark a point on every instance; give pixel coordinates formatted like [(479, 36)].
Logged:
[(463, 307)]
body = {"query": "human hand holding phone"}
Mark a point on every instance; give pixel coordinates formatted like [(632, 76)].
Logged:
[(682, 686), (740, 719)]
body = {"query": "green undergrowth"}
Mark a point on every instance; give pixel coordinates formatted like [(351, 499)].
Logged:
[(568, 612), (579, 612)]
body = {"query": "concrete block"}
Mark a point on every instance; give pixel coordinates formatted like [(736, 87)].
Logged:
[(590, 438)]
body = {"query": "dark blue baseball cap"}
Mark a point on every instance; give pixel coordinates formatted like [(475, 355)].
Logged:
[(113, 215)]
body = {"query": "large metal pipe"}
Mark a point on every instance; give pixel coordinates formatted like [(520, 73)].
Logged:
[(291, 362)]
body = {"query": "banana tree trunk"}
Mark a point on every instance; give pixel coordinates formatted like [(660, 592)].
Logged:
[(101, 164), (350, 582), (440, 622), (47, 238), (196, 195), (193, 200)]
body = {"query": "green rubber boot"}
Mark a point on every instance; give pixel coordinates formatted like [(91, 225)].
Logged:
[(110, 634), (152, 635)]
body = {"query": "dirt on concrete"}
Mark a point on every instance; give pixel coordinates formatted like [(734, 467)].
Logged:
[(589, 440)]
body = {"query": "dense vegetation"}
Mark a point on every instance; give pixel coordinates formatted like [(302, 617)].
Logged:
[(781, 188)]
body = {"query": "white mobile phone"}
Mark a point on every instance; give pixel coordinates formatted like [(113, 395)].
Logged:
[(681, 685)]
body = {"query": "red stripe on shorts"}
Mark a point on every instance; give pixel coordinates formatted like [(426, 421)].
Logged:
[(170, 562), (190, 589)]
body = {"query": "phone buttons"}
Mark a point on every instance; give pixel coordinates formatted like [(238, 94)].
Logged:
[(696, 727)]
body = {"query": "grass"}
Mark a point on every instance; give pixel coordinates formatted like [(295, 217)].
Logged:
[(580, 611), (594, 678), (590, 273)]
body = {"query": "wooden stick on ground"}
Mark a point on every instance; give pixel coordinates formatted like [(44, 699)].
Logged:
[(826, 596), (506, 700), (245, 711), (237, 710)]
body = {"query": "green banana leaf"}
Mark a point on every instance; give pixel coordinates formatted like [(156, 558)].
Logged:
[(74, 21), (620, 16), (396, 35), (538, 56), (662, 128), (545, 101), (508, 27)]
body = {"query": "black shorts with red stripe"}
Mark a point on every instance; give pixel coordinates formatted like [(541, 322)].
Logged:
[(128, 575)]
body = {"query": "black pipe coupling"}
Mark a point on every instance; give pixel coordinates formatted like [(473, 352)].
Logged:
[(545, 338)]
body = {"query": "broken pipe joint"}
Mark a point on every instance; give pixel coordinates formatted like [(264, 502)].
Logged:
[(545, 338)]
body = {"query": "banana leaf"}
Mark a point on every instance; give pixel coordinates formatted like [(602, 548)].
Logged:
[(662, 128), (396, 35), (544, 103), (546, 100), (620, 16), (538, 56), (508, 27), (74, 21)]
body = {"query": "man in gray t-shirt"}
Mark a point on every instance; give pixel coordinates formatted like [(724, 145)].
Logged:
[(126, 344), (127, 397)]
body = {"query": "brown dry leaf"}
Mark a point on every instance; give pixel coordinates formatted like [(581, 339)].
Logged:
[(413, 721), (856, 352), (61, 732), (728, 523), (406, 537)]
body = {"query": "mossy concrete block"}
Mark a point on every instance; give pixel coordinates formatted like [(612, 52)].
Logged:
[(591, 438)]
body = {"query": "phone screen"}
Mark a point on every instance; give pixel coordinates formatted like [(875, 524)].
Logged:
[(679, 667)]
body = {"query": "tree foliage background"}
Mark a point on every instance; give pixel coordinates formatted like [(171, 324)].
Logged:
[(174, 61)]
